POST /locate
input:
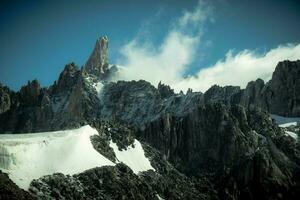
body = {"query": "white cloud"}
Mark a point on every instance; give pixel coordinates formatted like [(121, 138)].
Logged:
[(170, 60), (240, 68), (199, 15)]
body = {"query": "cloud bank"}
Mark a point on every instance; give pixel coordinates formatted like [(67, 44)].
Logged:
[(170, 60), (238, 69)]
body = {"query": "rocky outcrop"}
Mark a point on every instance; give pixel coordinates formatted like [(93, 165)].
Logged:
[(283, 90), (98, 61), (121, 135), (9, 190), (67, 79), (253, 95), (169, 183), (5, 100), (108, 182), (226, 95), (165, 90)]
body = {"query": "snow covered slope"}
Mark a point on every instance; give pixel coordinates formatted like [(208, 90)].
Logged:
[(133, 157), (29, 156)]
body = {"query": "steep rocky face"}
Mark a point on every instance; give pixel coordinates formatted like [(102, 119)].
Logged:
[(67, 78), (240, 150), (98, 62), (284, 89), (253, 95), (203, 139)]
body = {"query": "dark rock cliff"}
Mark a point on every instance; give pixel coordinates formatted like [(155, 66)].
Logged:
[(231, 145)]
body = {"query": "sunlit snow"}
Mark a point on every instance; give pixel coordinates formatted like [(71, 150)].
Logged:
[(134, 157), (29, 156)]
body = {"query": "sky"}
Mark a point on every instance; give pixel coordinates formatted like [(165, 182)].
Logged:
[(187, 44)]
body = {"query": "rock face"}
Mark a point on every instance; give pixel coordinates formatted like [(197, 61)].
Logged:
[(98, 62), (253, 95), (242, 148), (283, 91), (5, 101)]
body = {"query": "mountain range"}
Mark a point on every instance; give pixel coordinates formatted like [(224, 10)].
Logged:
[(225, 143)]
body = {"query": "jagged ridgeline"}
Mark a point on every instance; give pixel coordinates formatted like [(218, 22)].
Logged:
[(221, 144)]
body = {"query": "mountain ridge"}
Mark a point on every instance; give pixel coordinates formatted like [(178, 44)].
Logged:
[(224, 137)]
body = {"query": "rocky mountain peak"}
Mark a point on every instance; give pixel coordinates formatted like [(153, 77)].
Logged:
[(67, 77), (165, 90), (98, 61), (284, 88), (30, 93)]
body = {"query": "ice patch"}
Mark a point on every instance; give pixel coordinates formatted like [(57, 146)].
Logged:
[(29, 156), (133, 157)]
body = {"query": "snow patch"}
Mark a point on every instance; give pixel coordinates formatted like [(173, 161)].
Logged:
[(95, 83), (98, 87), (288, 124), (285, 121), (30, 156), (133, 157), (292, 134)]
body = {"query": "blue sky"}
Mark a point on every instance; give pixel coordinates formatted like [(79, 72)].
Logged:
[(39, 37)]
